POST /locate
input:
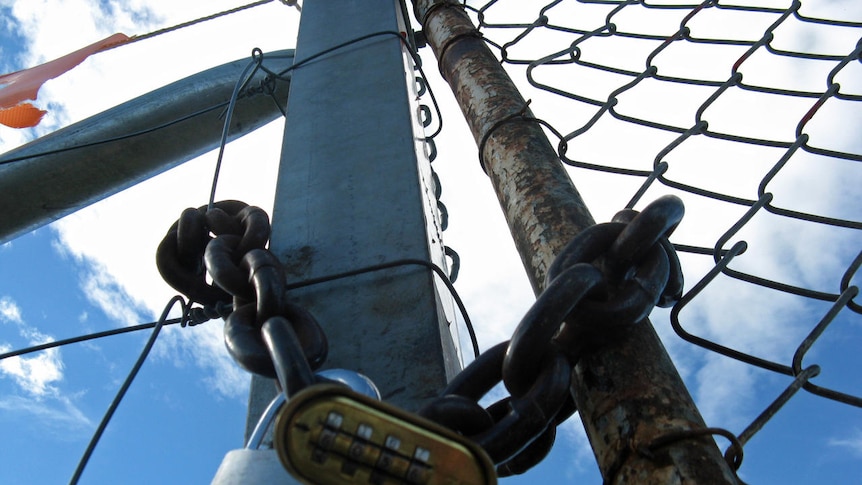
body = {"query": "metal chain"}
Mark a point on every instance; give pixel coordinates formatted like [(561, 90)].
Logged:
[(265, 333), (606, 279)]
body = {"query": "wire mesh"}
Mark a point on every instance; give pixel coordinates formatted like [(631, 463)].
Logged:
[(747, 109)]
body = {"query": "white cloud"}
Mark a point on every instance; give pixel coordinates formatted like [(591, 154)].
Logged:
[(572, 433), (203, 346), (119, 275), (105, 292), (59, 411), (35, 375), (114, 241), (9, 311), (221, 373), (852, 443), (725, 392)]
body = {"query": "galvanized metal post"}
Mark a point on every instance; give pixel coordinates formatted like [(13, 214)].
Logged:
[(353, 193), (83, 163), (630, 392)]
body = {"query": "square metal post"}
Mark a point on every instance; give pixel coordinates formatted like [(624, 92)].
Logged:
[(353, 192)]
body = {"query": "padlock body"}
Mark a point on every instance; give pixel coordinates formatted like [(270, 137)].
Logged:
[(327, 435)]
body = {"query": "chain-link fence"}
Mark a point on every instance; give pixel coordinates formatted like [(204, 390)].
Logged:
[(749, 111)]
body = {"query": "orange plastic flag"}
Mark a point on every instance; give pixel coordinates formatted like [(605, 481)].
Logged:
[(17, 88)]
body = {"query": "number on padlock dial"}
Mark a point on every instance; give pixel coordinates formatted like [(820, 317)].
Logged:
[(328, 434)]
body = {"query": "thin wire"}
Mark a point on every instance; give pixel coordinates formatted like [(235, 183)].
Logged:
[(117, 138), (223, 105), (244, 78), (415, 56), (257, 61), (128, 382), (84, 338), (402, 262), (197, 316), (145, 131), (155, 33)]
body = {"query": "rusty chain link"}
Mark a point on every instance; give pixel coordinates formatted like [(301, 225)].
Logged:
[(606, 279)]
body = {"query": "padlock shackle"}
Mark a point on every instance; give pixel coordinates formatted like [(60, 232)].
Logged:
[(265, 422), (291, 367)]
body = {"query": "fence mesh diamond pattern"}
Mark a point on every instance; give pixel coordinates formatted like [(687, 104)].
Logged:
[(750, 111)]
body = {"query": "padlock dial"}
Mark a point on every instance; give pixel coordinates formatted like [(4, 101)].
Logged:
[(328, 434)]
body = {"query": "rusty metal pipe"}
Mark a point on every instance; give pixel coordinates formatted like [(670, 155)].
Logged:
[(629, 393), (542, 206)]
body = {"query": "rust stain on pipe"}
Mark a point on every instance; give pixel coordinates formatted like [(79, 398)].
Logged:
[(629, 393), (542, 206)]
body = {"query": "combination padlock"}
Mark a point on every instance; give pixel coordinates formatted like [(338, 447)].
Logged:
[(328, 434)]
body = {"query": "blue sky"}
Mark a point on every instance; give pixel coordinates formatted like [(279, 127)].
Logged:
[(94, 271), (158, 433)]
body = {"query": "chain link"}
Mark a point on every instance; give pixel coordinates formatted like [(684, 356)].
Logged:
[(606, 279), (179, 255), (265, 332)]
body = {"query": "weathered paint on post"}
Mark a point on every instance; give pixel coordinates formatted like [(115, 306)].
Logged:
[(629, 393)]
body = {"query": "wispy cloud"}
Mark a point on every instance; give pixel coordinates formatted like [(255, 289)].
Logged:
[(9, 311), (36, 377), (56, 411), (117, 266), (118, 269), (32, 374), (852, 443), (571, 433), (104, 291), (725, 392), (203, 346)]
